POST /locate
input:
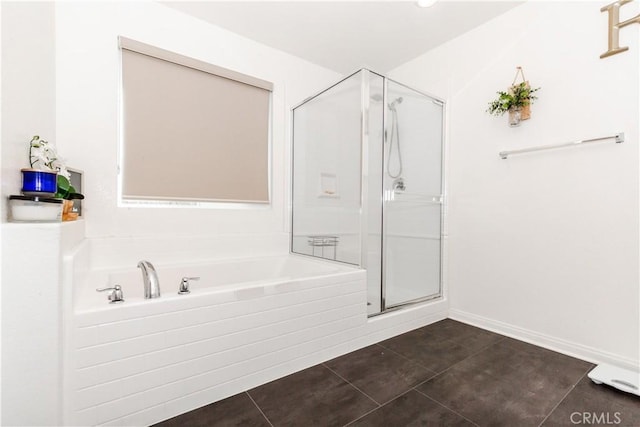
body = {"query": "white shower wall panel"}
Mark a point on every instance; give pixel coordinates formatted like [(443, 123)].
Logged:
[(420, 140), (326, 172)]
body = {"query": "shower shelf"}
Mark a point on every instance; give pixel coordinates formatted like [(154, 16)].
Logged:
[(618, 138), (323, 241)]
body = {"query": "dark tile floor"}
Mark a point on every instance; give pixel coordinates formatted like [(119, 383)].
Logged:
[(445, 374)]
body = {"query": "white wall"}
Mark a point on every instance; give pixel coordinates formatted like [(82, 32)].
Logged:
[(543, 246), (28, 87), (29, 295), (2, 219), (87, 110), (30, 310)]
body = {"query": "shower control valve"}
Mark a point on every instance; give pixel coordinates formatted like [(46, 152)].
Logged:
[(184, 285), (115, 296)]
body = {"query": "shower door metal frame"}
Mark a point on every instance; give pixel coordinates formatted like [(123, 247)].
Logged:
[(365, 175), (364, 167)]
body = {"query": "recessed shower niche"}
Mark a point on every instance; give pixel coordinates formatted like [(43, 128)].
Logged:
[(367, 185)]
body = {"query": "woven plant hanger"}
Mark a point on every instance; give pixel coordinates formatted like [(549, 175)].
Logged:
[(525, 112)]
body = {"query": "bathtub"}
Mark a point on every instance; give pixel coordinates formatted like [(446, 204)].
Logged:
[(243, 276), (245, 322)]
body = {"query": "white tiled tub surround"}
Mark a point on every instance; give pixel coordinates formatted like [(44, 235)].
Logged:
[(246, 322)]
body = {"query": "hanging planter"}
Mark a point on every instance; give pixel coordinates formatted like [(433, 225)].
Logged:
[(515, 116), (516, 100)]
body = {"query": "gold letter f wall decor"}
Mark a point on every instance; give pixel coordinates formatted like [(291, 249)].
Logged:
[(615, 25)]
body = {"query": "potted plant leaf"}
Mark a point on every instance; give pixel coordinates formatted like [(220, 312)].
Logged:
[(67, 192), (513, 101)]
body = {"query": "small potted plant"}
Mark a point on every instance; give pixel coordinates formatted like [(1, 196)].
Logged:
[(40, 180), (46, 163), (513, 101)]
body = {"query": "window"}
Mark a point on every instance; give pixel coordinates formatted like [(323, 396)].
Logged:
[(191, 131)]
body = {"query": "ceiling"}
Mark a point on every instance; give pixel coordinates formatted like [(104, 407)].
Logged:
[(348, 35)]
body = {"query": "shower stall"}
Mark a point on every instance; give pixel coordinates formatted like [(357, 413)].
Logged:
[(367, 185)]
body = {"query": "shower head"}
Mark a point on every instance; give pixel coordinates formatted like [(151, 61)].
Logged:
[(392, 106), (376, 97)]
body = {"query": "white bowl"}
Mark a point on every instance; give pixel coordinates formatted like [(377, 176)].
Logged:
[(35, 209)]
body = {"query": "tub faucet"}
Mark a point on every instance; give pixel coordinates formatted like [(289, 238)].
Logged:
[(150, 279)]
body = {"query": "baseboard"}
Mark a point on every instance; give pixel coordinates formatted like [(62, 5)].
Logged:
[(388, 325), (569, 348)]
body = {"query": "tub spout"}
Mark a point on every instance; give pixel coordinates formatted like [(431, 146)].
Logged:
[(150, 280)]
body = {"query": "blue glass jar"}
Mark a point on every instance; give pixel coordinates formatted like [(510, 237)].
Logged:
[(39, 183)]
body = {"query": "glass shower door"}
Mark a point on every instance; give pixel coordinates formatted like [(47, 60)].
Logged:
[(412, 207)]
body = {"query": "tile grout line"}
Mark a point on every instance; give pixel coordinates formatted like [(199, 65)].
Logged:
[(499, 379), (381, 406), (406, 358), (445, 339), (259, 409), (462, 360), (444, 406), (351, 384), (445, 370), (435, 373), (564, 397), (362, 416)]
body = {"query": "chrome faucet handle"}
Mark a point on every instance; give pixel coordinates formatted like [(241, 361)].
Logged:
[(184, 285), (115, 296)]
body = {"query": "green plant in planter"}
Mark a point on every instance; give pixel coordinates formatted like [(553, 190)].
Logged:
[(66, 190), (517, 97)]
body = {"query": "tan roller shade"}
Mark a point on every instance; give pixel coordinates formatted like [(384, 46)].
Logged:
[(192, 131)]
